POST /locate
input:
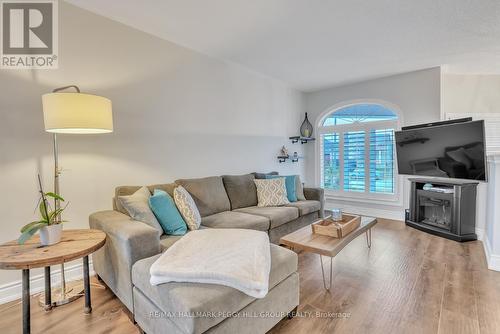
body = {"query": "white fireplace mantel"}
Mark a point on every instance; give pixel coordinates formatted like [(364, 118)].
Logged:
[(491, 239)]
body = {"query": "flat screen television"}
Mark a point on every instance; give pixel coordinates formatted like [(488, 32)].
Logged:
[(453, 149)]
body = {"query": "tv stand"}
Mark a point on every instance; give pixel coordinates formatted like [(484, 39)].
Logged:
[(444, 207)]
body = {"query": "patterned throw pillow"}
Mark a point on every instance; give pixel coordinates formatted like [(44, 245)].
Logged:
[(271, 192), (187, 208), (289, 185), (137, 206)]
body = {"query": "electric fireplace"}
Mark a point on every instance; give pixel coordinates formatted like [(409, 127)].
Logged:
[(443, 207)]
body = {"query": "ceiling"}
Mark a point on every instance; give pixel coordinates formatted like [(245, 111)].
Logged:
[(313, 44)]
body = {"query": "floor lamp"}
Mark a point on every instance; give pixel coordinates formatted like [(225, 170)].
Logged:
[(72, 113)]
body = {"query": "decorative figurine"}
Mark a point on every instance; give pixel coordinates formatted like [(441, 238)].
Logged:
[(284, 151)]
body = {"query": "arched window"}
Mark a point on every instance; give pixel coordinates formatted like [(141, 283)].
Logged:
[(357, 152)]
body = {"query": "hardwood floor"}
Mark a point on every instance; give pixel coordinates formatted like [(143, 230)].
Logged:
[(408, 282), (108, 315)]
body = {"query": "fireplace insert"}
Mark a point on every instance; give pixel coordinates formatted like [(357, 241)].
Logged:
[(443, 207)]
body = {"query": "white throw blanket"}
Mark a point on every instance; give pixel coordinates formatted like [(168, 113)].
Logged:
[(237, 258)]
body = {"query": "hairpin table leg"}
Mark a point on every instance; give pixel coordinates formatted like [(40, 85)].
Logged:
[(323, 273), (369, 237)]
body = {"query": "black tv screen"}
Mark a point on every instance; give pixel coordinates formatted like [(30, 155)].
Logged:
[(454, 150)]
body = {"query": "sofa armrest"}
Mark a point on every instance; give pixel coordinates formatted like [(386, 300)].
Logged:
[(127, 241), (317, 194)]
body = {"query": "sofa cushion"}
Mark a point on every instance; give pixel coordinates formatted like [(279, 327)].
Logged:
[(232, 219), (278, 215), (168, 240), (241, 190), (129, 190), (208, 193), (137, 207), (263, 175), (306, 207), (188, 298), (299, 189), (123, 191)]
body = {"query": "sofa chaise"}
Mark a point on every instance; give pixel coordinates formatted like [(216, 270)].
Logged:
[(224, 202)]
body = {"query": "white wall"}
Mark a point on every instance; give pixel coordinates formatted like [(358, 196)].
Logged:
[(491, 239), (177, 113), (415, 94), (466, 93)]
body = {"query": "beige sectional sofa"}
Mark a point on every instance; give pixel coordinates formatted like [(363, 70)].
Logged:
[(224, 202)]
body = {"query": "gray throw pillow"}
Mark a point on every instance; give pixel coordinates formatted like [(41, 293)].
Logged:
[(460, 156), (208, 193), (241, 190), (260, 176), (299, 189), (137, 206)]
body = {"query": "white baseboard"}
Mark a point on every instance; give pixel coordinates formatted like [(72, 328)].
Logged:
[(480, 233), (12, 291), (492, 259)]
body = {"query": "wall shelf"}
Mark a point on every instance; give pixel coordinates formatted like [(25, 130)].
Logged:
[(284, 158), (303, 140)]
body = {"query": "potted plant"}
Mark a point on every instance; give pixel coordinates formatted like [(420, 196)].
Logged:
[(49, 224)]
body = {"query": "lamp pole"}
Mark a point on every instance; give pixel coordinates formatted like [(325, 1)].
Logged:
[(57, 171), (63, 298), (71, 112)]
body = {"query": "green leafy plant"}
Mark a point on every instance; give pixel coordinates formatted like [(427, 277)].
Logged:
[(48, 216)]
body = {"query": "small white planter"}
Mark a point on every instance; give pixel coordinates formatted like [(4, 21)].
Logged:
[(50, 234)]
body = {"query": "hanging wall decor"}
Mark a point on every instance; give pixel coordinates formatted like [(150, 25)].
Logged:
[(306, 129)]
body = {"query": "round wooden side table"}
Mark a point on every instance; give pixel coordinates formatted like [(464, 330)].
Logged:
[(74, 244)]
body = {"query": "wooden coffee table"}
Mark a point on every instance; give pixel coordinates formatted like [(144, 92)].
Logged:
[(74, 244), (305, 240)]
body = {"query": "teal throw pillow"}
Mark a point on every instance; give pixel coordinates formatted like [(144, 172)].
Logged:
[(289, 184), (163, 207)]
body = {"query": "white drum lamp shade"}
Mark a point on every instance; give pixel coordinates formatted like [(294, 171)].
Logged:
[(77, 113)]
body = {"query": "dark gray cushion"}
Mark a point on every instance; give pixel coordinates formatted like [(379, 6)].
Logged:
[(263, 175), (306, 207), (208, 193), (278, 215), (197, 297), (299, 189), (241, 190), (232, 219)]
